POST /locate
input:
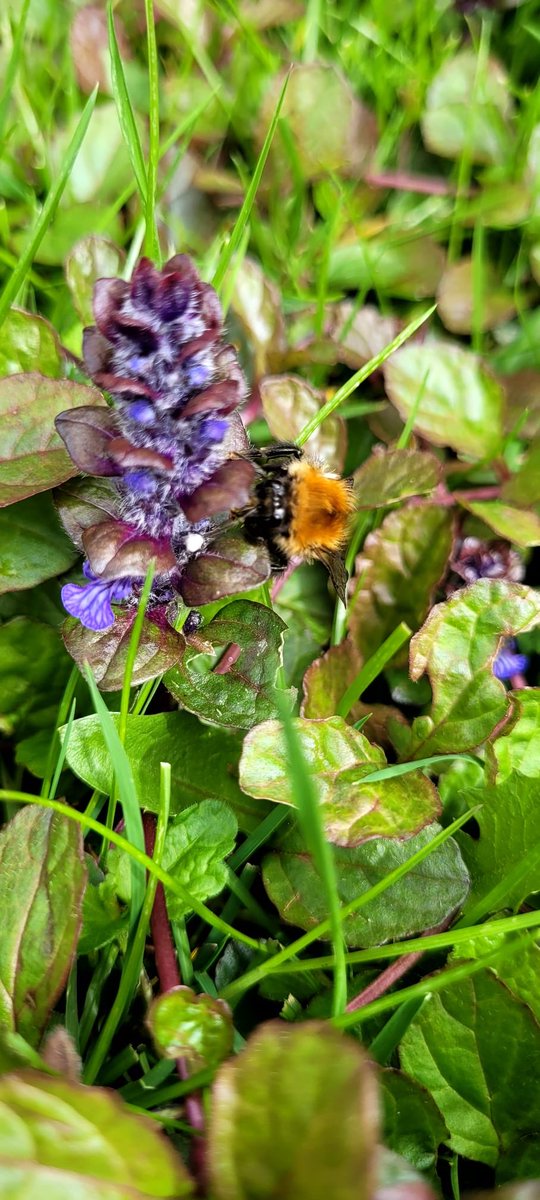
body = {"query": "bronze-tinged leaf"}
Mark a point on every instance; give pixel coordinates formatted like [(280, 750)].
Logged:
[(388, 476), (229, 565), (82, 503), (160, 647), (32, 457), (42, 882), (87, 434), (116, 551), (228, 488), (288, 404)]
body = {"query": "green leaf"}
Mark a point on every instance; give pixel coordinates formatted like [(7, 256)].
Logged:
[(106, 652), (270, 1106), (398, 571), (456, 300), (524, 487), (506, 851), (427, 895), (42, 881), (331, 130), (456, 647), (477, 1050), (28, 343), (32, 456), (91, 258), (408, 269), (245, 694), (326, 682), (192, 1026), (517, 748), (468, 110), (338, 757), (196, 845), (32, 546), (461, 402), (103, 917), (288, 403), (34, 670), (63, 1141), (514, 524), (177, 738), (412, 1124), (257, 304), (384, 478), (397, 1180)]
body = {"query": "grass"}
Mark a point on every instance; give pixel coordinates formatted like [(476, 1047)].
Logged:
[(230, 145)]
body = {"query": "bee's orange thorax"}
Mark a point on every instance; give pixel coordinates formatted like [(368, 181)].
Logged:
[(319, 511)]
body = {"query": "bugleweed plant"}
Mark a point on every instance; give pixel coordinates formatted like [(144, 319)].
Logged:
[(269, 864)]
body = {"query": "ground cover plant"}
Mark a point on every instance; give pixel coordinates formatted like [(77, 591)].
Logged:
[(269, 864)]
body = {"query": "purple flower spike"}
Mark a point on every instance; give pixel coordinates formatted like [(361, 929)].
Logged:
[(508, 663), (158, 350), (91, 602)]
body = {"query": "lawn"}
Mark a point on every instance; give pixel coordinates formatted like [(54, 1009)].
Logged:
[(269, 603)]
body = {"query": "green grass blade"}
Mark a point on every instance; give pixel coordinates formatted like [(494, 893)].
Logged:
[(12, 67), (133, 961), (16, 280), (419, 764), (322, 929), (125, 112), (127, 793), (243, 217), (360, 376), (433, 984), (372, 668), (384, 1044), (151, 238), (308, 806), (132, 651), (147, 864)]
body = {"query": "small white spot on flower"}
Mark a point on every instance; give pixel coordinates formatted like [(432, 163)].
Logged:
[(194, 541)]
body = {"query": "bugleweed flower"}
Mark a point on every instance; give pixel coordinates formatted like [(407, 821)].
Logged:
[(476, 559), (157, 349)]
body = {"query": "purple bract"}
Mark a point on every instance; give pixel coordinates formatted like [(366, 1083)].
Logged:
[(157, 349)]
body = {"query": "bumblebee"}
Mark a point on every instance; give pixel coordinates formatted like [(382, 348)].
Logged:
[(300, 510)]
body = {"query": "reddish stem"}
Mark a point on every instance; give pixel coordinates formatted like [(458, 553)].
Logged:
[(169, 978), (394, 972), (228, 659), (404, 181)]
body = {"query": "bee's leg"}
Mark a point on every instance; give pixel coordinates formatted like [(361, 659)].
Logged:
[(262, 454)]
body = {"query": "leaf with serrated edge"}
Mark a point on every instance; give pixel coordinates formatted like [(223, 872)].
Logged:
[(196, 845), (294, 1117), (42, 882), (384, 478), (158, 650), (337, 757), (457, 647)]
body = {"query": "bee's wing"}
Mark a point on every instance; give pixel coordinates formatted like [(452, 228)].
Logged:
[(335, 565)]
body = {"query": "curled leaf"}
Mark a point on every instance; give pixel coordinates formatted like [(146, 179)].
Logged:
[(229, 565), (193, 1026)]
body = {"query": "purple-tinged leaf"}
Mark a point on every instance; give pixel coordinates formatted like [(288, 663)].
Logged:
[(456, 647), (245, 694), (117, 551), (42, 882), (193, 1026), (87, 434), (337, 758), (294, 1117), (159, 649), (32, 457), (63, 1141), (228, 488), (229, 565)]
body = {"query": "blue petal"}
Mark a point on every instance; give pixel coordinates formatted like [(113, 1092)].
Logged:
[(508, 664), (91, 603)]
